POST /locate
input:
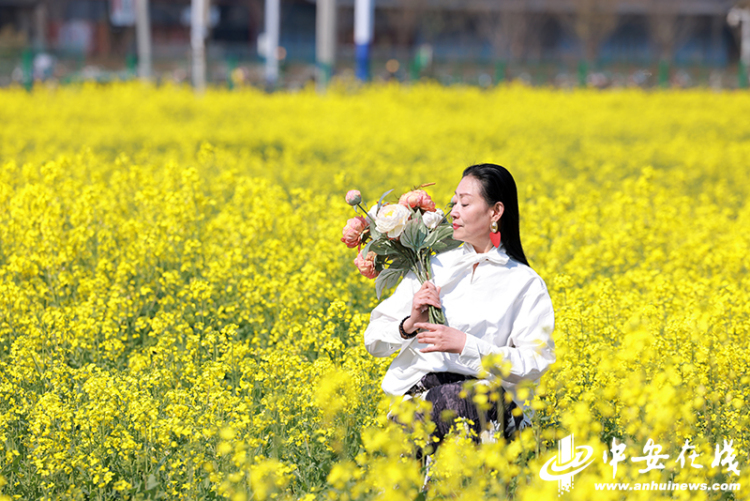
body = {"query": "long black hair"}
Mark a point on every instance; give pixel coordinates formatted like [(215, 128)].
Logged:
[(498, 186)]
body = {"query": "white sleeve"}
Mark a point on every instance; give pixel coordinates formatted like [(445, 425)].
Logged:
[(382, 337), (530, 348)]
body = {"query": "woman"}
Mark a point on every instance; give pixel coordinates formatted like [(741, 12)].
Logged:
[(494, 303)]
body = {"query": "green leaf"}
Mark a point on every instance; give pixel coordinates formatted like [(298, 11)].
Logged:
[(387, 279), (440, 233), (416, 216), (445, 245), (380, 202), (366, 248), (383, 247), (400, 262), (415, 233)]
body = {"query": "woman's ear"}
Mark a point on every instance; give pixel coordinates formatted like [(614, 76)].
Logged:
[(497, 211)]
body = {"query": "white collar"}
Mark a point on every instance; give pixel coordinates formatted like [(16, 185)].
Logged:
[(469, 249), (470, 257)]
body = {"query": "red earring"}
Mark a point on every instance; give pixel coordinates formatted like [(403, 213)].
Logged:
[(495, 234), (495, 237)]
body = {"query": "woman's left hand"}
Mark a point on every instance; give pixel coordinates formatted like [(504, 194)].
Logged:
[(441, 337)]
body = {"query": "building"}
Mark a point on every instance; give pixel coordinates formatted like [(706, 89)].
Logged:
[(513, 31)]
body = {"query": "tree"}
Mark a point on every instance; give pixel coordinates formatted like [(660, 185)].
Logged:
[(592, 21), (667, 28), (506, 29)]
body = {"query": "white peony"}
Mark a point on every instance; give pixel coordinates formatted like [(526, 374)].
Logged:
[(391, 219), (373, 213), (432, 219)]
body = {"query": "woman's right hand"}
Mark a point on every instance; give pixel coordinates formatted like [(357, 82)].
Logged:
[(427, 295)]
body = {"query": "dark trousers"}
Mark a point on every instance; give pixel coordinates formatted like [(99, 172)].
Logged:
[(443, 391)]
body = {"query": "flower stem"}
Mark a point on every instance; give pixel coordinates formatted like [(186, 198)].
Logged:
[(366, 213), (436, 314)]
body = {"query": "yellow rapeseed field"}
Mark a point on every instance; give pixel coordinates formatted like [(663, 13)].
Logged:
[(179, 319)]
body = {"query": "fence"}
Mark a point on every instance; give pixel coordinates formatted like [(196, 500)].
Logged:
[(240, 65)]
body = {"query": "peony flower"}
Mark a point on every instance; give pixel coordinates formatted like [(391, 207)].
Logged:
[(366, 264), (373, 212), (353, 197), (417, 199), (432, 219), (392, 219), (353, 231)]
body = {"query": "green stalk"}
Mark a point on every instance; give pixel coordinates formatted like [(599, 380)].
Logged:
[(436, 314), (367, 215)]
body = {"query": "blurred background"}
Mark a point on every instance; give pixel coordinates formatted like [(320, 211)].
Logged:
[(563, 43)]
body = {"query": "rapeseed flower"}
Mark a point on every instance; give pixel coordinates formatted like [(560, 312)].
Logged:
[(178, 317)]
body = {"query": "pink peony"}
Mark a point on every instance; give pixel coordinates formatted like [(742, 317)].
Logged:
[(353, 197), (417, 199), (366, 265), (353, 231)]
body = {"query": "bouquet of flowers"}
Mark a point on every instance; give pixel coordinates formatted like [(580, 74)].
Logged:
[(398, 238)]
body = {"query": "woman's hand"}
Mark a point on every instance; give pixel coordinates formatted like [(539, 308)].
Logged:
[(441, 337), (427, 295)]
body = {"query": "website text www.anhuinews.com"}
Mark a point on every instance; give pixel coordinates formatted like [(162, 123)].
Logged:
[(653, 486)]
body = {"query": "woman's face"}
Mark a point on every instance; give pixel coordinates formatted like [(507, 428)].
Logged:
[(472, 217)]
